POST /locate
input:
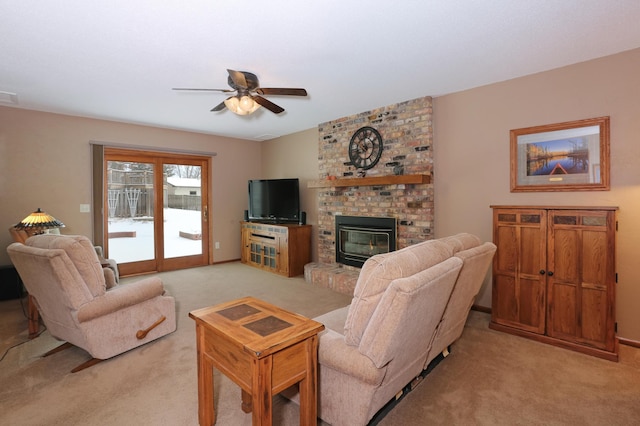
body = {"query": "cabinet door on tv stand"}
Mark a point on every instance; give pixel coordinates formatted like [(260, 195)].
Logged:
[(263, 255), (283, 255), (270, 257)]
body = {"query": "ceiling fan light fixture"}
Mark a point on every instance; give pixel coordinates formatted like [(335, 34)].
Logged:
[(241, 105), (246, 103), (248, 94), (232, 103)]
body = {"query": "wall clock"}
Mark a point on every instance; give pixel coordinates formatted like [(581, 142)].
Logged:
[(365, 148)]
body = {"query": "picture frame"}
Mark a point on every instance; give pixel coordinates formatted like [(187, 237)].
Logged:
[(569, 156)]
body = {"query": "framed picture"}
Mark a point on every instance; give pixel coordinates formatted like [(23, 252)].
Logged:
[(571, 156)]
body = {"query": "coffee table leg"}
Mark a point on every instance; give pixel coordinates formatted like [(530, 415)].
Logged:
[(309, 385), (206, 407), (261, 396), (246, 401)]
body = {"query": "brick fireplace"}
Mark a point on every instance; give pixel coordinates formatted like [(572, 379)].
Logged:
[(406, 130)]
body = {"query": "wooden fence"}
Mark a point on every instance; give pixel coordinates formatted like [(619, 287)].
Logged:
[(139, 203)]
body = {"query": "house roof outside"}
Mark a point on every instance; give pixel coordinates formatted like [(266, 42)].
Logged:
[(183, 182), (118, 59)]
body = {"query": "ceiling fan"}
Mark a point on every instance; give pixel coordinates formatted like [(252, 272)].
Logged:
[(248, 97)]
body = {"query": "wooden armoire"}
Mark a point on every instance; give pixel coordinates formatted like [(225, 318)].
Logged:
[(554, 276)]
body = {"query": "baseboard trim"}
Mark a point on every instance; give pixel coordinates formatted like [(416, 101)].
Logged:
[(225, 261), (481, 309), (629, 342)]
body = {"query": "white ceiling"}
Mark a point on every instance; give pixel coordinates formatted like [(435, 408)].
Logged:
[(119, 59)]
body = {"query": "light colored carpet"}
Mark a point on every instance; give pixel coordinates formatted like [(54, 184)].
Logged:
[(490, 378)]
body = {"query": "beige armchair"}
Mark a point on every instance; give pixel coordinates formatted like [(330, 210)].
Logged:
[(64, 276), (109, 268)]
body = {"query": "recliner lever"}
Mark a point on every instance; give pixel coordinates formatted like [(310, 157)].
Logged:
[(141, 334)]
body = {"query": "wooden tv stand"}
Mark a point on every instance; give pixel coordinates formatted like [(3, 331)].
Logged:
[(283, 249)]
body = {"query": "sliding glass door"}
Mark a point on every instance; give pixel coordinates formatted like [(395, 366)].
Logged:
[(131, 213), (156, 216), (183, 210)]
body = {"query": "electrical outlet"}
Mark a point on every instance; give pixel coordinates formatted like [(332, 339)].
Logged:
[(217, 245), (85, 208)]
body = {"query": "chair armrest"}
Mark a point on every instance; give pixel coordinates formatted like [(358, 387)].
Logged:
[(121, 297), (334, 353), (109, 278)]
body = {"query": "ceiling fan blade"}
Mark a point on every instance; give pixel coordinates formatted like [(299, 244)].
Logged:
[(238, 79), (281, 91), (203, 90), (219, 107), (268, 104)]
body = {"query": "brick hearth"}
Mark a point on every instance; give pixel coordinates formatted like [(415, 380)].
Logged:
[(332, 276), (407, 133)]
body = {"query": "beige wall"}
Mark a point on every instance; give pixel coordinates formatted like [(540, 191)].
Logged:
[(471, 147), (45, 162), (296, 155), (471, 156)]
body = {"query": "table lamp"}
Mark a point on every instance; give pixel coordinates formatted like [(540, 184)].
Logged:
[(38, 222)]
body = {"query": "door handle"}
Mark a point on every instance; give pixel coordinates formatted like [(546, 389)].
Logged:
[(550, 273), (542, 272)]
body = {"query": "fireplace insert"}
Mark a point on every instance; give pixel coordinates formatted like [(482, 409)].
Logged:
[(358, 238)]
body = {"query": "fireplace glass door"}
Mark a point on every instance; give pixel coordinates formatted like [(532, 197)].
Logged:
[(359, 238), (362, 243)]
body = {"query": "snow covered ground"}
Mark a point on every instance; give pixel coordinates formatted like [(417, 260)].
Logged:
[(141, 247)]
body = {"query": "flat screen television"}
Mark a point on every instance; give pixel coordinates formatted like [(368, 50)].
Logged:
[(274, 200)]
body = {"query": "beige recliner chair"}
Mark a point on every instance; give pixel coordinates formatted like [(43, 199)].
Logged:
[(371, 349), (65, 278), (109, 268), (408, 307), (112, 277), (476, 257)]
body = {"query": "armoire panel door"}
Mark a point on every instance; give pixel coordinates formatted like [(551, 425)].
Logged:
[(581, 278), (519, 282)]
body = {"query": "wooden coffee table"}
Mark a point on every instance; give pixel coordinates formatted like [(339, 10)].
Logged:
[(263, 349)]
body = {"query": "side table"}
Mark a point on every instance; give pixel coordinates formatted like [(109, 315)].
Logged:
[(263, 349), (33, 317)]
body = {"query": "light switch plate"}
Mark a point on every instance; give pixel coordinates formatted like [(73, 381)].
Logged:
[(85, 208)]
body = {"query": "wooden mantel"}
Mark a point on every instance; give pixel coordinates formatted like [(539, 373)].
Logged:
[(370, 181)]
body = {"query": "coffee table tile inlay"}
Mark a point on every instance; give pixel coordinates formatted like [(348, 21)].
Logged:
[(263, 349)]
